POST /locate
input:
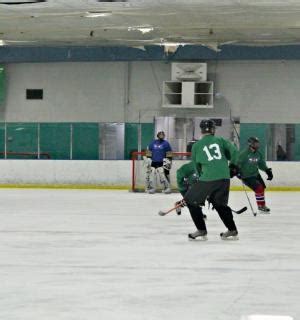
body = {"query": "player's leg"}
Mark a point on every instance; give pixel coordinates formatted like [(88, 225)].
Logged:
[(163, 180), (260, 195), (199, 208), (195, 197), (219, 199), (198, 219), (150, 177), (258, 186), (167, 165), (167, 174)]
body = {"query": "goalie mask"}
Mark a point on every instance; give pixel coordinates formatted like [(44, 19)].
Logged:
[(253, 143), (208, 126), (161, 135)]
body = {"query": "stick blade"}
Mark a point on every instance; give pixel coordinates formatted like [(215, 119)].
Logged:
[(241, 210), (162, 213)]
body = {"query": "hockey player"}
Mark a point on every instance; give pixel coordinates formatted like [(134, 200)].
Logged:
[(158, 160), (250, 161), (186, 176), (210, 156)]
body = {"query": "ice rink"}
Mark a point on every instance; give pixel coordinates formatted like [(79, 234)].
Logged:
[(90, 254)]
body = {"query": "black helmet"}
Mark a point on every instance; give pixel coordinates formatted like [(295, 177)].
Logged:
[(207, 126), (159, 133), (252, 141)]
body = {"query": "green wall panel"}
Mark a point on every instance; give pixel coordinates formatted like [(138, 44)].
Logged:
[(258, 130), (22, 138), (297, 143), (55, 139), (2, 140), (85, 141), (147, 134), (131, 137), (2, 84)]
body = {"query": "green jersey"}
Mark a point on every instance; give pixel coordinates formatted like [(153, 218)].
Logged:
[(186, 176), (249, 162), (210, 156)]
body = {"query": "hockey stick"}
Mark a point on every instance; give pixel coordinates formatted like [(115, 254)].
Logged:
[(239, 211), (163, 213), (254, 213)]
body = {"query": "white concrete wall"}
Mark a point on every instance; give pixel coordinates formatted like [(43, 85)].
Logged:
[(255, 91), (108, 173), (72, 92), (105, 173), (260, 91)]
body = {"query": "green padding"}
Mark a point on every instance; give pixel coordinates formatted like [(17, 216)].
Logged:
[(2, 138), (85, 141), (297, 143), (147, 134), (22, 138), (254, 130), (132, 137), (55, 140), (2, 84)]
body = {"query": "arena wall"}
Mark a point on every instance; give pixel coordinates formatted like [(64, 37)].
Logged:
[(109, 174)]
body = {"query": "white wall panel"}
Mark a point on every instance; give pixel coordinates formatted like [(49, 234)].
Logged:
[(107, 173), (255, 91)]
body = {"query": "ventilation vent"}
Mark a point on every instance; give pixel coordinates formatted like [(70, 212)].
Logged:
[(34, 94), (112, 0), (13, 2)]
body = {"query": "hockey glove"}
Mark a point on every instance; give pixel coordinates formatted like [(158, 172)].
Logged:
[(233, 170), (180, 203), (269, 174)]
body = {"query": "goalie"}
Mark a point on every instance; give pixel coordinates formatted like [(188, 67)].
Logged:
[(158, 162)]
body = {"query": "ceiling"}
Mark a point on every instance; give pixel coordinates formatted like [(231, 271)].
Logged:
[(137, 23)]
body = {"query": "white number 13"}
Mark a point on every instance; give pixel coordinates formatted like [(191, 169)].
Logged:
[(216, 153)]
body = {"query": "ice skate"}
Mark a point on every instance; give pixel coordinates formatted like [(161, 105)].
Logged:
[(150, 191), (167, 191), (200, 235), (264, 210), (229, 235)]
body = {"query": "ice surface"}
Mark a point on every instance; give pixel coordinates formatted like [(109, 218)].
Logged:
[(88, 254)]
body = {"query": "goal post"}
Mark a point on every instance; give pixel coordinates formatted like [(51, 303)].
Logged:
[(138, 172)]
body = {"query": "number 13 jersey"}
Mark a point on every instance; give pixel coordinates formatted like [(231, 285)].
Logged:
[(210, 156)]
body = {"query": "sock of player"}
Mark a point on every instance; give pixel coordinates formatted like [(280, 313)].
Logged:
[(260, 196)]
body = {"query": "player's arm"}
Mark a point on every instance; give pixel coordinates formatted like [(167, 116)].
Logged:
[(262, 165), (149, 150), (232, 155), (168, 149), (197, 166), (231, 152), (167, 161), (180, 178)]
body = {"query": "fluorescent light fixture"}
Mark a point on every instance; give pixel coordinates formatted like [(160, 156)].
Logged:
[(266, 317), (97, 14), (173, 44), (2, 43), (143, 30)]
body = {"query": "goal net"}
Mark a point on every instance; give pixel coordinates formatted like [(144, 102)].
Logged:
[(138, 171)]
